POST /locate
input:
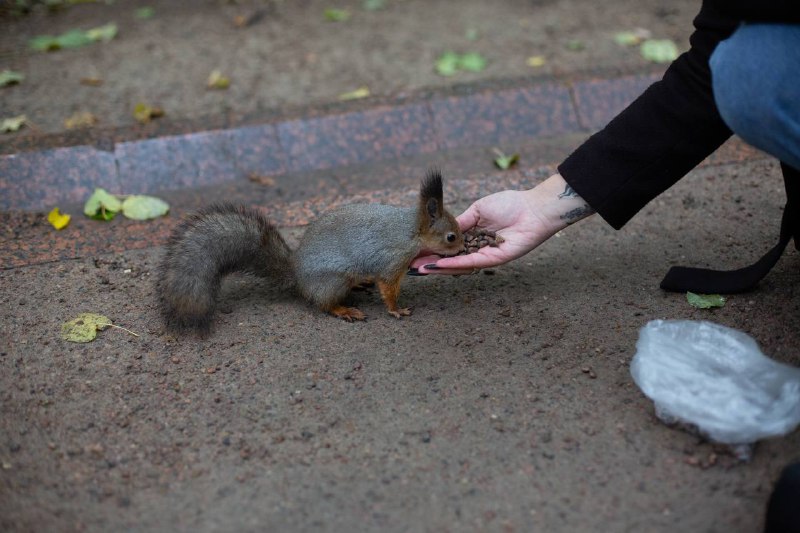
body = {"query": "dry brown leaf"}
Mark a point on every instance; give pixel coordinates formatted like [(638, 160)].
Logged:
[(262, 180), (80, 119)]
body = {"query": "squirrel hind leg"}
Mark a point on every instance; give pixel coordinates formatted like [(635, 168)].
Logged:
[(347, 313), (327, 291)]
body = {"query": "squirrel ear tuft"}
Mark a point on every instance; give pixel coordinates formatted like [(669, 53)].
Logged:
[(431, 207), (432, 185)]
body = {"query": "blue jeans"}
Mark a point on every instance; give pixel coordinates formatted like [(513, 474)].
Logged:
[(756, 82)]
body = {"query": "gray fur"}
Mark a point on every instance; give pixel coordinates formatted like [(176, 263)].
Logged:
[(343, 248), (332, 255), (206, 246)]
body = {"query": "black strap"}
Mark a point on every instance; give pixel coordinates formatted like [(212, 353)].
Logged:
[(706, 281)]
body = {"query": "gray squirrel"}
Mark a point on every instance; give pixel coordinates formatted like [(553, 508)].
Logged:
[(344, 248)]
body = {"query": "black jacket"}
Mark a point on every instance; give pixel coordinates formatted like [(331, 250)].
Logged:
[(671, 127)]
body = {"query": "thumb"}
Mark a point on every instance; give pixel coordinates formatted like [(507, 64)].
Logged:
[(469, 218)]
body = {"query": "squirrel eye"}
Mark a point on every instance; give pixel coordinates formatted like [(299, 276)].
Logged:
[(451, 237)]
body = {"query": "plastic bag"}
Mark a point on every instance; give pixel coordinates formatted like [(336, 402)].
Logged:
[(717, 379)]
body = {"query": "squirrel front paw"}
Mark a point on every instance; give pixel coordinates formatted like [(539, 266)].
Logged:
[(400, 312)]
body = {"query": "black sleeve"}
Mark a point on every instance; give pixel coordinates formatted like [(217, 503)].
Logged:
[(660, 137)]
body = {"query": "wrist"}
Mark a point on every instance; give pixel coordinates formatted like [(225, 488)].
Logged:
[(558, 204)]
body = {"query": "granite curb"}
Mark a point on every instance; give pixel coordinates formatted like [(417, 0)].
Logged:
[(37, 173), (29, 239)]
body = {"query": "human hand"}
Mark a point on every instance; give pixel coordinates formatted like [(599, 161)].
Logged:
[(524, 220)]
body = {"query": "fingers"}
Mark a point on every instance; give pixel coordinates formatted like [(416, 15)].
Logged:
[(469, 218), (465, 262), (462, 264), (452, 266), (417, 267), (433, 269), (426, 260)]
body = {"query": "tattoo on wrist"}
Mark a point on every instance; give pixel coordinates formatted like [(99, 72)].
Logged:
[(569, 192), (574, 215)]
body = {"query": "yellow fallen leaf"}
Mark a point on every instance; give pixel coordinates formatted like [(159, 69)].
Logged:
[(217, 81), (143, 112), (81, 119), (57, 219), (92, 81), (361, 92), (84, 327), (536, 61)]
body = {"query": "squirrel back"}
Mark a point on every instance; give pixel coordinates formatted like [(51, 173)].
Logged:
[(348, 246)]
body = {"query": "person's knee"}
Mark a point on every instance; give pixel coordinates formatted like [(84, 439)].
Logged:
[(749, 77), (746, 93)]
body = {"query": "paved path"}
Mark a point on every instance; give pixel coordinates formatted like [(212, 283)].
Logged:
[(504, 403)]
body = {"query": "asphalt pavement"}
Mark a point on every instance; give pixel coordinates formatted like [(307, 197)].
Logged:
[(503, 403)]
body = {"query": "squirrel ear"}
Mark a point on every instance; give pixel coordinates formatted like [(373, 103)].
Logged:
[(434, 209), (430, 193)]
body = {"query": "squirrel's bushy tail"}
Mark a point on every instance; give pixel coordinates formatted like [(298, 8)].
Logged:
[(209, 244)]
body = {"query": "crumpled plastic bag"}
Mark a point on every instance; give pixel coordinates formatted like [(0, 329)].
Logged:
[(716, 379)]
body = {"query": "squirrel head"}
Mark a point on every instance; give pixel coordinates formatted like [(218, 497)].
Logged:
[(438, 229)]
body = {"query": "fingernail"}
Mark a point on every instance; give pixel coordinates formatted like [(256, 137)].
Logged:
[(432, 266), (414, 272)]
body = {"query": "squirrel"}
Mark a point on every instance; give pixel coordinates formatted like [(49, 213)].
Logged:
[(348, 247)]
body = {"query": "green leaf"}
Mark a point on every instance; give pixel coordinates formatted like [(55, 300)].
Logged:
[(627, 38), (9, 77), (659, 50), (705, 301), (145, 13), (447, 64), (44, 43), (337, 15), (361, 92), (631, 38), (84, 327), (576, 45), (103, 33), (472, 62), (504, 161), (374, 5), (101, 205), (140, 207), (73, 39), (12, 123)]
